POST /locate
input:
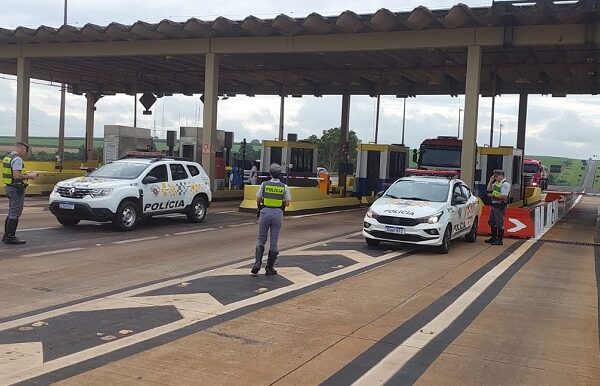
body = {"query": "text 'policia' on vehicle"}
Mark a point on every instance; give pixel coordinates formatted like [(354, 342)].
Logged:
[(129, 189), (425, 211)]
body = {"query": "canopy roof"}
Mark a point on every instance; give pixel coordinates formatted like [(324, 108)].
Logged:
[(543, 47)]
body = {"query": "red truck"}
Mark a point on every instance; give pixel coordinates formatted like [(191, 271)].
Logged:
[(535, 173), (438, 156)]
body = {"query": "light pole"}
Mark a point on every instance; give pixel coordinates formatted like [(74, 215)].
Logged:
[(403, 120), (500, 138)]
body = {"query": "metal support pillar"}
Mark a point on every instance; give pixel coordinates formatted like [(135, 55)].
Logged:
[(344, 139), (23, 86), (377, 117), (91, 98), (522, 122), (281, 116), (469, 145), (492, 120), (209, 126), (61, 121), (521, 127)]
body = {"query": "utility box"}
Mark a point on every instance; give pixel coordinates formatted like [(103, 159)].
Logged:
[(119, 140), (298, 159), (505, 158), (378, 166)]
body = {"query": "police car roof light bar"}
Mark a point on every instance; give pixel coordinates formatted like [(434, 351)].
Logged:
[(449, 174), (155, 155)]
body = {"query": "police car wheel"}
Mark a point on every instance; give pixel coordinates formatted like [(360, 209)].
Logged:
[(445, 247), (127, 216), (197, 211), (471, 237), (372, 242), (68, 221)]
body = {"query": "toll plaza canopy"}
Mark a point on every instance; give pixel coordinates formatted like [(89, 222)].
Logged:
[(543, 47)]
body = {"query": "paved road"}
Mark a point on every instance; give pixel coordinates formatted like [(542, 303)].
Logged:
[(172, 303)]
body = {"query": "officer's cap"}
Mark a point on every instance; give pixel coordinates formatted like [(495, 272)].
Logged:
[(276, 168), (24, 144), (499, 172)]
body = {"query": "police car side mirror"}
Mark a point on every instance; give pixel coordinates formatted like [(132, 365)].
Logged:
[(149, 180)]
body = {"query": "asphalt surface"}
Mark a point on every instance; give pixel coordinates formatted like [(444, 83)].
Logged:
[(173, 303)]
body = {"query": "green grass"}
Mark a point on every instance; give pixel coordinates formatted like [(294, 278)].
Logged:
[(597, 178), (572, 173)]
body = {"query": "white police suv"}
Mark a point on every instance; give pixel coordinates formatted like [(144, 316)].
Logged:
[(425, 211), (129, 189)]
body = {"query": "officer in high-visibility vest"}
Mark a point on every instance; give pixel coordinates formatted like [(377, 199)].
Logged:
[(13, 178), (498, 190), (272, 198)]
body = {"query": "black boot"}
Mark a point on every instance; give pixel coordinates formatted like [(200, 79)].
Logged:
[(499, 235), (10, 234), (5, 229), (270, 263), (491, 239), (260, 250)]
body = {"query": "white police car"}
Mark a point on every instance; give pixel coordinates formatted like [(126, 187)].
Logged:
[(126, 190), (425, 211)]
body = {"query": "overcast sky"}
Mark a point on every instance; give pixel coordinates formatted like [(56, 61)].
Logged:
[(556, 126)]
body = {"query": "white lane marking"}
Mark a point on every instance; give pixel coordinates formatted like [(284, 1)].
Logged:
[(227, 211), (326, 213), (242, 224), (194, 231), (53, 252), (389, 366), (383, 371), (135, 240)]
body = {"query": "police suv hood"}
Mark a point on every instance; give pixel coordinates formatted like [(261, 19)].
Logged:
[(406, 208), (94, 182)]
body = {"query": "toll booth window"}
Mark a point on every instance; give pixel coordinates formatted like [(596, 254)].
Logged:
[(302, 160), (178, 172), (193, 170), (516, 172), (160, 172)]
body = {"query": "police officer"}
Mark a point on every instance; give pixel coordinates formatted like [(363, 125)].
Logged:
[(272, 197), (14, 177), (498, 190)]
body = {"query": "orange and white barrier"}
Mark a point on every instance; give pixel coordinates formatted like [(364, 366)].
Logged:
[(530, 222)]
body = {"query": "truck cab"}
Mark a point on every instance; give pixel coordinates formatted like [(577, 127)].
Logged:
[(438, 156), (535, 173)]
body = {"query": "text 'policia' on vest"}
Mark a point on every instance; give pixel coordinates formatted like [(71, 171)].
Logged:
[(274, 194)]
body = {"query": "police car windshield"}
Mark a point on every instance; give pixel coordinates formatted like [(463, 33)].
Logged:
[(120, 170), (418, 190)]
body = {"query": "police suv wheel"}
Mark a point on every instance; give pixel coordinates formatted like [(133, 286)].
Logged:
[(471, 237), (371, 242), (197, 211), (445, 247), (68, 221), (127, 216)]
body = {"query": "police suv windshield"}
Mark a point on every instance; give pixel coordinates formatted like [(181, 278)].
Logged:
[(120, 170), (418, 191), (440, 157)]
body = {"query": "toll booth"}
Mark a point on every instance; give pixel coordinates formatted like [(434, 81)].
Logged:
[(378, 166), (191, 147), (504, 158), (298, 159), (119, 140)]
